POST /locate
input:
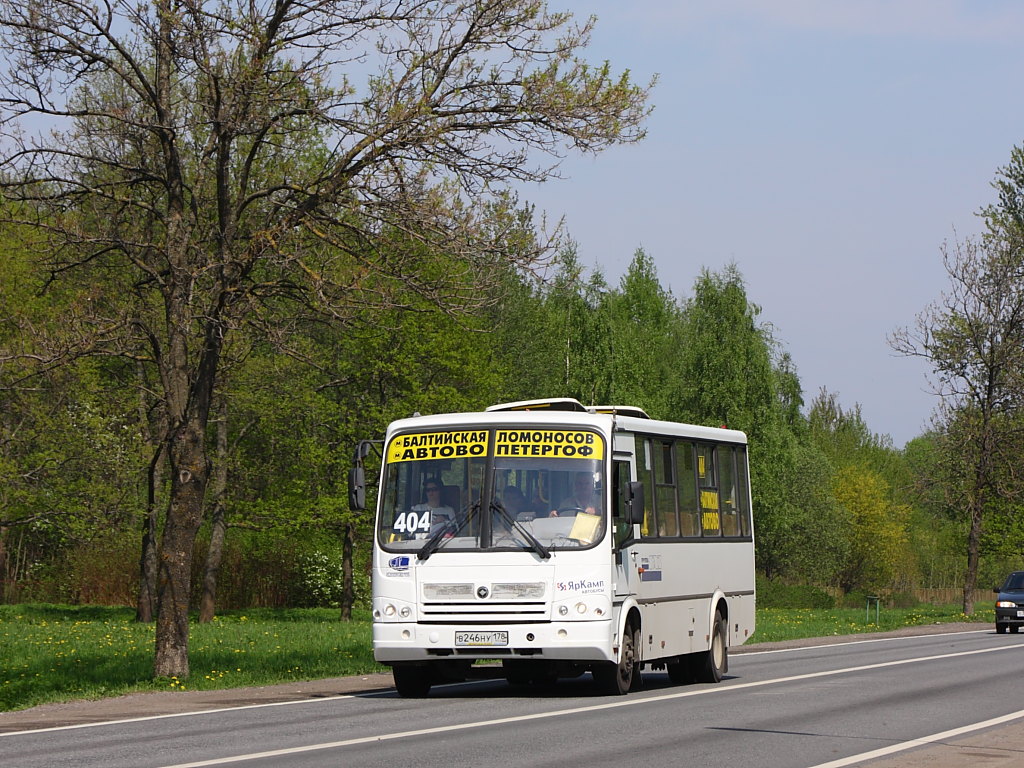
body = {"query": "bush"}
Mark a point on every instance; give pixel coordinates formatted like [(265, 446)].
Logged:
[(774, 594), (321, 579)]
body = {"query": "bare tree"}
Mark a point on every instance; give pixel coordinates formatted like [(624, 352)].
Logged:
[(214, 162), (973, 337)]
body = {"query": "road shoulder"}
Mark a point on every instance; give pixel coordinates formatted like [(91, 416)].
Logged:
[(162, 703)]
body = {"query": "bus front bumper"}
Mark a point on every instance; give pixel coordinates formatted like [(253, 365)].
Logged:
[(567, 640)]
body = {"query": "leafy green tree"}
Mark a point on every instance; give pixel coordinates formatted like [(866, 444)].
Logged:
[(843, 435), (805, 539), (878, 529), (69, 465), (974, 339), (645, 337), (733, 373), (178, 162), (727, 372)]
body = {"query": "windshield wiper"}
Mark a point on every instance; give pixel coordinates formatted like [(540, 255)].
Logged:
[(535, 545), (434, 542)]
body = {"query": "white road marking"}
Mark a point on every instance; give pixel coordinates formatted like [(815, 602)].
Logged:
[(576, 710), (737, 652), (176, 714), (199, 712), (922, 742)]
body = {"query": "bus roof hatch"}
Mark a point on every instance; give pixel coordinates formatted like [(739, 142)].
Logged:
[(548, 404)]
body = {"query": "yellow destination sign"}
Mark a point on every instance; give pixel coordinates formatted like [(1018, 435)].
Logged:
[(549, 444), (426, 446)]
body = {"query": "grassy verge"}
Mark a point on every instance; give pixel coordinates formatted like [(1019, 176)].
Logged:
[(58, 653), (796, 623)]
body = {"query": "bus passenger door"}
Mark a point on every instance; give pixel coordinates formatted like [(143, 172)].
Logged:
[(626, 534)]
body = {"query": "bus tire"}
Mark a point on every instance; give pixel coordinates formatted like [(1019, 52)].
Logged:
[(713, 663), (616, 679), (412, 681), (517, 672), (680, 671)]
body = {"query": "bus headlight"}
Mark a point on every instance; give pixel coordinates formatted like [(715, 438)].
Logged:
[(584, 608), (393, 610)]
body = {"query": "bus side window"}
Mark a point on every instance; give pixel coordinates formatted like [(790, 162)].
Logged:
[(707, 480), (644, 475), (743, 490), (665, 489), (727, 491), (689, 511), (620, 497)]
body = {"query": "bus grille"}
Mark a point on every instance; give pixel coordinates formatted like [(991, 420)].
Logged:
[(480, 612)]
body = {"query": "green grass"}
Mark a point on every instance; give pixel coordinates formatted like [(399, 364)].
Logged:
[(52, 653), (796, 623)]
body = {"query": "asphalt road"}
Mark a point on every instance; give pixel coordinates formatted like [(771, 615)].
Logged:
[(939, 700)]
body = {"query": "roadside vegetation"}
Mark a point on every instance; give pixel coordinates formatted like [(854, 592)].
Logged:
[(796, 623), (192, 341), (60, 653), (56, 653)]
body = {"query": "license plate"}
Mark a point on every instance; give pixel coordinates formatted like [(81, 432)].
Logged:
[(493, 638), (1020, 614)]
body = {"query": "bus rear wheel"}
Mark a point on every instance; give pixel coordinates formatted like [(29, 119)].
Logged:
[(711, 665), (680, 670), (412, 681)]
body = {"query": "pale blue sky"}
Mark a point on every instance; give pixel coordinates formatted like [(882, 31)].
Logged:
[(827, 147)]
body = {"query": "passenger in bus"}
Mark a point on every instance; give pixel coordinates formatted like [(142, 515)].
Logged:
[(583, 498), (440, 515), (515, 502)]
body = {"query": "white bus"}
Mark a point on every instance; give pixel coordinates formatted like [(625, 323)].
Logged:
[(561, 539)]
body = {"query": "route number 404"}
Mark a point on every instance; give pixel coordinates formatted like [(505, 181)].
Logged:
[(411, 522)]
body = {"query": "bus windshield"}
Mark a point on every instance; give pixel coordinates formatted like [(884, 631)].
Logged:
[(435, 503)]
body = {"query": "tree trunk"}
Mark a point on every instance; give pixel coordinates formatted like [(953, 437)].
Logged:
[(145, 608), (3, 565), (148, 560), (207, 606), (976, 503), (348, 588), (189, 475), (973, 556)]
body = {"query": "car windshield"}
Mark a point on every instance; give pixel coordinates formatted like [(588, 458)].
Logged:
[(1014, 582), (432, 502)]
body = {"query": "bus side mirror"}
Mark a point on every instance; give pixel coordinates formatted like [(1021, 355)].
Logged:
[(357, 489), (635, 504), (357, 476)]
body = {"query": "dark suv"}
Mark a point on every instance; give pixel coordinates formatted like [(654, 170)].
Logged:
[(1010, 603)]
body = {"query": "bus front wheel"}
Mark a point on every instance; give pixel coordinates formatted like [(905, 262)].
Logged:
[(412, 681), (614, 678)]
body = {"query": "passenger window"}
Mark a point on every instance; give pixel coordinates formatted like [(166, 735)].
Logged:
[(743, 490), (665, 489), (645, 476), (727, 492), (710, 515), (620, 491), (686, 486)]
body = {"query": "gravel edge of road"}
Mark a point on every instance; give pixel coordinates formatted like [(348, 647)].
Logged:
[(162, 703)]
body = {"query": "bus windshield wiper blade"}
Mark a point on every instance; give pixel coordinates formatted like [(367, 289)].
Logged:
[(535, 545), (434, 542)]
